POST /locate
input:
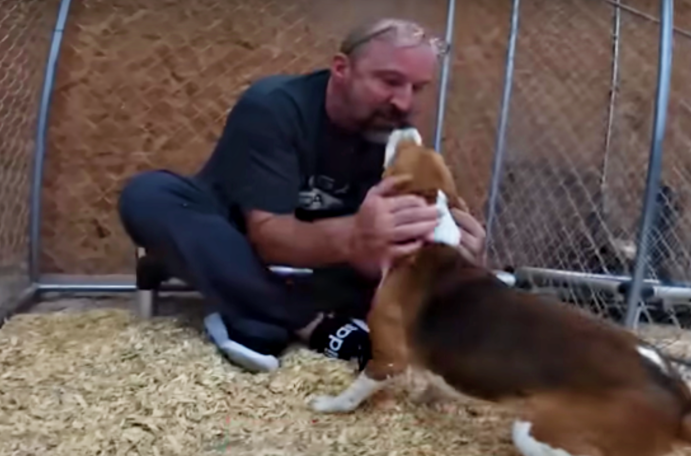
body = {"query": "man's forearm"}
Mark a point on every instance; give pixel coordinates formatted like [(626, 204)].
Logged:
[(284, 240)]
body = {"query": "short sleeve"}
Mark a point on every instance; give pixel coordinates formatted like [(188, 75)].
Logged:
[(259, 158)]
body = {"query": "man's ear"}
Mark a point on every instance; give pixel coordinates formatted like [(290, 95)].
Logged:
[(340, 66)]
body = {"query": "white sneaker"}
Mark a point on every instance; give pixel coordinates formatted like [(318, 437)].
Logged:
[(238, 354)]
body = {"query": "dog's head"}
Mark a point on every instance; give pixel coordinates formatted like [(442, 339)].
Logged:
[(427, 171)]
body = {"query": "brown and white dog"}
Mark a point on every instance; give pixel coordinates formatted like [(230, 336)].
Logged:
[(580, 386)]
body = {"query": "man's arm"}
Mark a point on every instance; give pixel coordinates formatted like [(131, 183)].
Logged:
[(385, 227), (282, 239), (263, 180)]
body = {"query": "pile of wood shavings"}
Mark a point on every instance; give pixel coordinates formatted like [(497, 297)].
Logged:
[(102, 382)]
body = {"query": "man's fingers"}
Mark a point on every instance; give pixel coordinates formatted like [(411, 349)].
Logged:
[(415, 215), (410, 231), (404, 249), (467, 254), (468, 223), (473, 238), (473, 245), (398, 203)]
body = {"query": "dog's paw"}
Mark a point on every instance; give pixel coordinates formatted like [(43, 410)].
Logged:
[(332, 404)]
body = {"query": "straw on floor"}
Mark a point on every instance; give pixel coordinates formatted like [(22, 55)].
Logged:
[(102, 382)]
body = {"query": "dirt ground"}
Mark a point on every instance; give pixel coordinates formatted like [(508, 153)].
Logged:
[(86, 377)]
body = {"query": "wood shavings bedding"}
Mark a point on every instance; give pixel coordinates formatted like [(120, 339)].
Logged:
[(102, 382)]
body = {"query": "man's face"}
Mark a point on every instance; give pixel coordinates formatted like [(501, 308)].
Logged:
[(383, 85)]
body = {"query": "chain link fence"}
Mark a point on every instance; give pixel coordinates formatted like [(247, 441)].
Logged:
[(577, 148), (25, 31), (135, 93)]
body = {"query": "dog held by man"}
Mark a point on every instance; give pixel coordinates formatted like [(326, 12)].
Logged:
[(580, 386)]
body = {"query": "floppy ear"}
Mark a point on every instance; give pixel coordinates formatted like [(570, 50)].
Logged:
[(447, 184), (402, 134)]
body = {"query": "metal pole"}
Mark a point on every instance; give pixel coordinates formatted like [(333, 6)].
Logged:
[(664, 77), (642, 15), (614, 88), (68, 285), (537, 276), (41, 135), (500, 145), (444, 80), (610, 282), (20, 303), (94, 288)]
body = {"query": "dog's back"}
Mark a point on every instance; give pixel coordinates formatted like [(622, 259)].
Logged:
[(498, 343), (471, 315)]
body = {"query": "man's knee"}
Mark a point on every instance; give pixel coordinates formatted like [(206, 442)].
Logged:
[(145, 200), (146, 188)]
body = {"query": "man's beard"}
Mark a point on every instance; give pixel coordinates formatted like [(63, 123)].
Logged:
[(377, 131)]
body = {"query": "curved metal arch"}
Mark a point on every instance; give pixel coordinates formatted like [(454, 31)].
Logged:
[(35, 211)]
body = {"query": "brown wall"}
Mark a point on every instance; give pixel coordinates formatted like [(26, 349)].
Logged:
[(147, 84), (25, 29)]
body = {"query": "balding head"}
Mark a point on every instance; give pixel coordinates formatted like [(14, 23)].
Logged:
[(398, 33), (379, 73)]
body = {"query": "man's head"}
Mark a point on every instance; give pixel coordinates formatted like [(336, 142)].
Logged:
[(379, 73)]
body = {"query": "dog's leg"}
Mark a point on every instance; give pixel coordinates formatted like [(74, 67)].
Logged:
[(359, 391), (437, 391), (552, 426), (389, 349)]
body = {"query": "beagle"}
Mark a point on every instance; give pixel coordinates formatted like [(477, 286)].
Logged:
[(580, 386)]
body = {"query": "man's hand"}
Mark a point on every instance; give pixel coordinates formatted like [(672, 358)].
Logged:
[(473, 238), (387, 227)]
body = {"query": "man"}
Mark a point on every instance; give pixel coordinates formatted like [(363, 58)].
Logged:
[(295, 180)]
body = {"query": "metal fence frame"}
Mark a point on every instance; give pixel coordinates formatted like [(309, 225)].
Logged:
[(634, 288), (30, 292)]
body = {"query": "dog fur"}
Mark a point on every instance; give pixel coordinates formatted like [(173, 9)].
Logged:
[(580, 386)]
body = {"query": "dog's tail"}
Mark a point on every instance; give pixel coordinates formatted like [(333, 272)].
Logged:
[(402, 134)]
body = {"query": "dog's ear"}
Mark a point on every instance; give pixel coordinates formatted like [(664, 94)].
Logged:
[(400, 186), (460, 204), (453, 200), (396, 138), (447, 184)]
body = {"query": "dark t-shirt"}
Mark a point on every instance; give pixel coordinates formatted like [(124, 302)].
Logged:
[(279, 153)]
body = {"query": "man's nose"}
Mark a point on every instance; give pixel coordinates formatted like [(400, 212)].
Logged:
[(403, 98)]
